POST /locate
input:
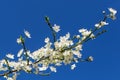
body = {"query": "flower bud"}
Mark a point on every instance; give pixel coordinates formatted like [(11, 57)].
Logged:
[(90, 59)]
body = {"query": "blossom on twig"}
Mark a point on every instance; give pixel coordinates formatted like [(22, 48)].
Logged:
[(11, 56), (102, 23), (56, 28), (112, 13), (27, 34), (73, 67)]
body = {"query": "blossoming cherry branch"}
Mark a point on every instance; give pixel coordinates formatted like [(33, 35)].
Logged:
[(65, 50)]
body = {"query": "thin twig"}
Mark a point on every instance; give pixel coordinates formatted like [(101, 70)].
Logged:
[(26, 54), (50, 25)]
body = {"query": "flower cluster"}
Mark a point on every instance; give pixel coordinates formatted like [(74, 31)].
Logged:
[(112, 15), (64, 50)]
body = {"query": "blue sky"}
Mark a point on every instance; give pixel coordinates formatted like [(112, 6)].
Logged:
[(17, 15)]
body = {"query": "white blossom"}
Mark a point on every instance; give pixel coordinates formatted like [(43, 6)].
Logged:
[(79, 47), (27, 34), (14, 76), (19, 40), (73, 67), (63, 42), (53, 69), (37, 54), (2, 68), (9, 78), (29, 53), (77, 53), (58, 64), (66, 53), (113, 11), (92, 36), (47, 40), (15, 65), (20, 53), (43, 68), (56, 28), (84, 32), (78, 36), (90, 58), (102, 23), (27, 68), (76, 60), (11, 56)]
